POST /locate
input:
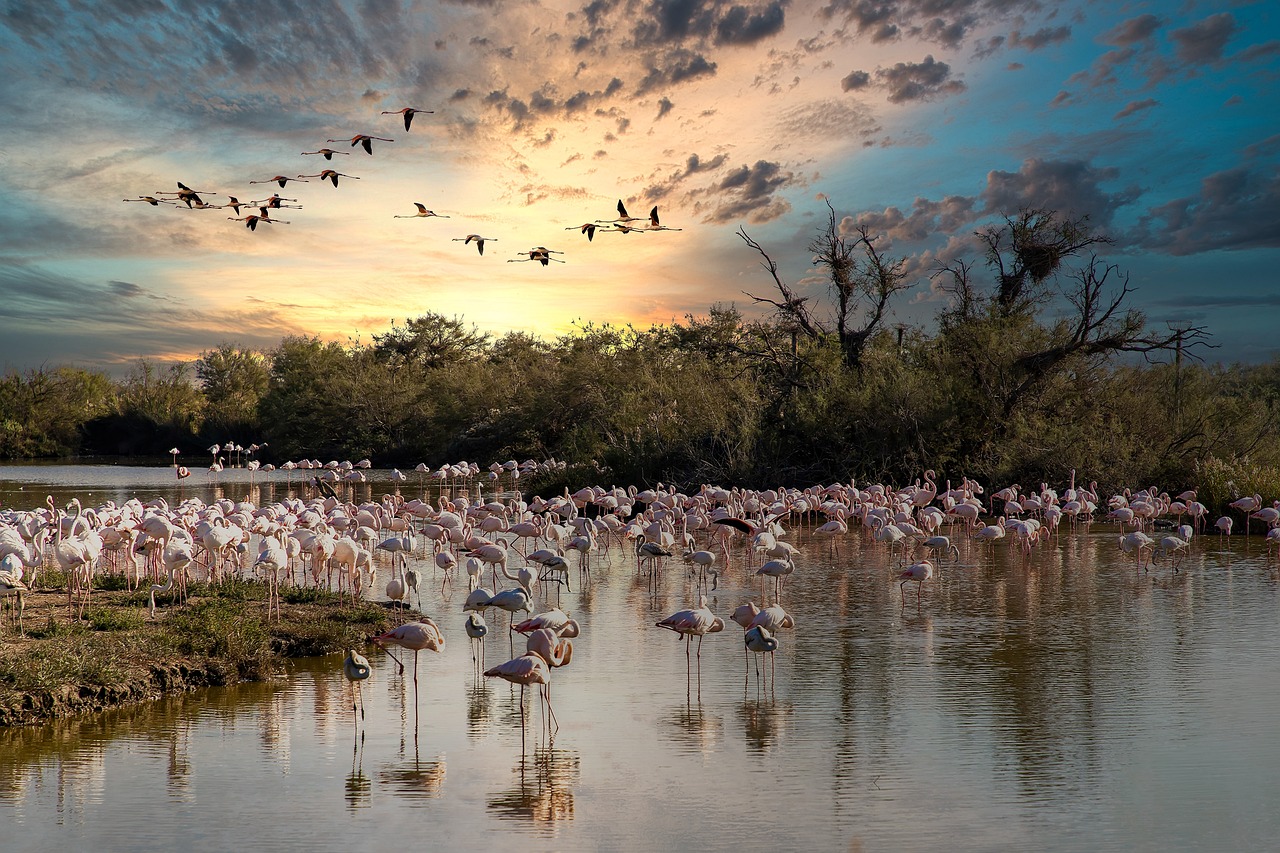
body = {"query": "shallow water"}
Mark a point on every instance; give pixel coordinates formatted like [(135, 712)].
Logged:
[(1062, 702)]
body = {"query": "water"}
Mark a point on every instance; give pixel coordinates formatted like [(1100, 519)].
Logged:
[(1065, 702)]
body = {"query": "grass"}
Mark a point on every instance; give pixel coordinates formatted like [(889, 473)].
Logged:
[(117, 654)]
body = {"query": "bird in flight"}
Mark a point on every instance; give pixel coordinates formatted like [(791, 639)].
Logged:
[(363, 139), (653, 222), (281, 180), (275, 202), (330, 175), (479, 241), (588, 228), (328, 152), (408, 113), (251, 221), (151, 200), (541, 254), (422, 211), (623, 217)]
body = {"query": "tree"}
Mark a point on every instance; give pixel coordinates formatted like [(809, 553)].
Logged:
[(862, 280), (431, 340), (1018, 366), (234, 381)]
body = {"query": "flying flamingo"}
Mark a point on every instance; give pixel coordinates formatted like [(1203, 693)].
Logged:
[(623, 217), (653, 222), (479, 241), (422, 211), (588, 228), (151, 200), (281, 180), (408, 113), (327, 152), (329, 175), (364, 140), (541, 254), (251, 222)]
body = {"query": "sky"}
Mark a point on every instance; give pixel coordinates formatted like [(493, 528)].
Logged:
[(923, 120)]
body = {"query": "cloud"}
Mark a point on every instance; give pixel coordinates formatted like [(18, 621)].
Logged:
[(1136, 107), (1234, 209), (747, 192), (664, 106), (1131, 31), (1070, 187), (703, 22), (907, 81), (1203, 43), (1041, 38)]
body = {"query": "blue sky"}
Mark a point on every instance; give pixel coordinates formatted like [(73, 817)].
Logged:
[(922, 119)]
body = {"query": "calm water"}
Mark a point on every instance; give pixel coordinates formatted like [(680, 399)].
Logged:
[(1060, 703)]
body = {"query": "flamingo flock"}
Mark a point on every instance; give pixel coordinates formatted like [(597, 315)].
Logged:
[(623, 223), (518, 553)]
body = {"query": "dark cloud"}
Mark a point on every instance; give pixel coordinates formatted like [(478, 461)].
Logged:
[(742, 26), (1040, 38), (1070, 187), (1136, 107), (1132, 31), (677, 66), (1235, 209), (855, 80), (748, 192), (925, 219), (1203, 43), (918, 81), (664, 106), (127, 289)]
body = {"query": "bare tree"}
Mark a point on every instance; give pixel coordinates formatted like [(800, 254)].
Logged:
[(862, 279)]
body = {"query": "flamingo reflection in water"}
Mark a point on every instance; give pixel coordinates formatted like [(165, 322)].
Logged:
[(544, 793)]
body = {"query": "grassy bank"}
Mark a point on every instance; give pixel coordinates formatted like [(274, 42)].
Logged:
[(117, 655)]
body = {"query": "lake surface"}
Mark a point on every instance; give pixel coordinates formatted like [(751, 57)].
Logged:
[(1064, 701)]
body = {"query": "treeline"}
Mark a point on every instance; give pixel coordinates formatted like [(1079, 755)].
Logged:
[(1000, 390)]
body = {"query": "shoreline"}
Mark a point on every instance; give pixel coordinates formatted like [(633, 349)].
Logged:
[(117, 656)]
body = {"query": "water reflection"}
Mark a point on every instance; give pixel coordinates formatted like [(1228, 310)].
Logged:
[(693, 728), (763, 720), (543, 795), (479, 708), (413, 780)]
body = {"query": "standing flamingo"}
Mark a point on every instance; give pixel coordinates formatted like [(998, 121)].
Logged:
[(356, 668), (918, 572)]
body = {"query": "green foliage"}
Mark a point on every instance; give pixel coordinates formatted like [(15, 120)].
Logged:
[(115, 618), (234, 381), (219, 629)]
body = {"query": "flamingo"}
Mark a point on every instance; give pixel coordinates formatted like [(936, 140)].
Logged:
[(408, 113), (422, 212), (543, 650), (327, 153), (693, 622), (653, 222), (152, 200), (423, 635), (758, 639), (363, 139), (588, 228), (623, 217), (476, 630), (918, 572), (11, 584), (281, 180), (356, 668), (329, 175), (541, 254), (479, 241)]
